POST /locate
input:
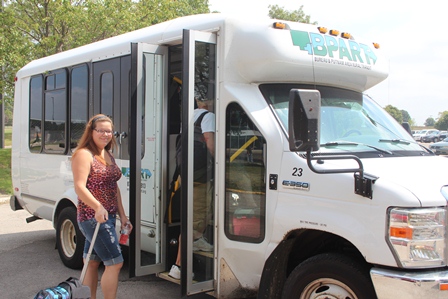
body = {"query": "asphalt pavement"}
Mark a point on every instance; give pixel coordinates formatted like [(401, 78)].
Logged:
[(29, 262)]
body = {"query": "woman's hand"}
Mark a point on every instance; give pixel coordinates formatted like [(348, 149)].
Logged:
[(101, 214), (125, 222)]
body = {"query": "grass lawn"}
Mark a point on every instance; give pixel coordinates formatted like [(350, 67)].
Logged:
[(5, 164), (8, 136), (5, 171)]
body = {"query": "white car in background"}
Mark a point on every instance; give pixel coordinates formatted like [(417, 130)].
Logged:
[(418, 136)]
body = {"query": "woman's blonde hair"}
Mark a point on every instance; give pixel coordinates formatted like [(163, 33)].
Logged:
[(86, 140)]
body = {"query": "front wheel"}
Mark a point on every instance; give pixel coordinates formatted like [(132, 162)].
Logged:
[(70, 240), (331, 276)]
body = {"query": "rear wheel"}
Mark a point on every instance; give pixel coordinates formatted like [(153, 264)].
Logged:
[(329, 276), (70, 240)]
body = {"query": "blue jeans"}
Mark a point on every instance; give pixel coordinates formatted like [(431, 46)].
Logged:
[(106, 247)]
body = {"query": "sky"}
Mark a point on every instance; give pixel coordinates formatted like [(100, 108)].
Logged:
[(412, 35)]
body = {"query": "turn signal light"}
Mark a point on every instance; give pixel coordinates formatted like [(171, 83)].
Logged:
[(401, 232)]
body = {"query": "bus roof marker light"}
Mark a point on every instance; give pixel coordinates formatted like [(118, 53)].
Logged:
[(279, 25), (334, 32), (322, 30), (346, 35)]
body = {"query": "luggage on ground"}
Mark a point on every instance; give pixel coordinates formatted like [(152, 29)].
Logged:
[(71, 288)]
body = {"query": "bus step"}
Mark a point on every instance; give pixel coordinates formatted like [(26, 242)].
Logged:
[(164, 275), (203, 253)]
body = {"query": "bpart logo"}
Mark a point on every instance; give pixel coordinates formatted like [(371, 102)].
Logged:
[(145, 173), (333, 49)]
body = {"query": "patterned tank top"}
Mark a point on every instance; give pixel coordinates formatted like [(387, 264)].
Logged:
[(102, 183)]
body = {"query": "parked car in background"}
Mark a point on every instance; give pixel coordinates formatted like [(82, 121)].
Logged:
[(431, 136), (417, 135), (442, 135), (440, 148)]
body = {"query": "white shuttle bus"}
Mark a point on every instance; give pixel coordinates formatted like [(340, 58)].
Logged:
[(318, 192)]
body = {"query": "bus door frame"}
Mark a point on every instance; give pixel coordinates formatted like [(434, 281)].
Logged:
[(155, 184), (189, 38)]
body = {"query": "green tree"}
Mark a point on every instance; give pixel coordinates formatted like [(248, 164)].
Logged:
[(277, 12), (15, 50), (430, 122), (442, 122), (406, 116), (394, 112), (32, 29)]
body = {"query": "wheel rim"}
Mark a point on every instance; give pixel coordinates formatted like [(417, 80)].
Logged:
[(327, 288), (68, 238)]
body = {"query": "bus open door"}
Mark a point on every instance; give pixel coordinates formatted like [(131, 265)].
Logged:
[(150, 160), (145, 173)]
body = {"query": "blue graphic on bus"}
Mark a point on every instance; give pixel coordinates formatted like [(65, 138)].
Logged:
[(333, 47)]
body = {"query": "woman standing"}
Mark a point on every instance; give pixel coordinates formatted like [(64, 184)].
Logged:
[(95, 177)]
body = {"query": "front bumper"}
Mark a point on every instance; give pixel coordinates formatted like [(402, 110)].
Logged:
[(400, 284)]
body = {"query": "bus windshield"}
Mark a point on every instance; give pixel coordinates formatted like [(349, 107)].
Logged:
[(350, 121)]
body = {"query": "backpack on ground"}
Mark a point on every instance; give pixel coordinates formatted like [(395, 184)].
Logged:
[(71, 288)]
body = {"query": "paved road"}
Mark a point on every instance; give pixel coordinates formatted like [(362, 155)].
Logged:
[(29, 262)]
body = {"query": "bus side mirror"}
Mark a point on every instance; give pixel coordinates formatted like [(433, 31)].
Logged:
[(407, 127), (304, 120)]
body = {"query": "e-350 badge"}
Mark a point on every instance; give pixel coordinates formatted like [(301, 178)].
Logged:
[(296, 185)]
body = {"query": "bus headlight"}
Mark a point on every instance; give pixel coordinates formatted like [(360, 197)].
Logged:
[(417, 236)]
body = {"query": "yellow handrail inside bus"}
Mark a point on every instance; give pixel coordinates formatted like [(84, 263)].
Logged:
[(241, 149)]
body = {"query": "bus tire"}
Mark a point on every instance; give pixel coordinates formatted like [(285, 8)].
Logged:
[(329, 275), (70, 240)]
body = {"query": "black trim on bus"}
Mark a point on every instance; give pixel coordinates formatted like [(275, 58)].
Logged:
[(134, 156), (186, 37)]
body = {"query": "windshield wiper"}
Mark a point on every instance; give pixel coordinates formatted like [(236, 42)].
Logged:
[(407, 142), (336, 143), (400, 141)]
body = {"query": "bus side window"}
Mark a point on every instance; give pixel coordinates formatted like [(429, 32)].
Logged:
[(245, 184), (55, 112), (107, 93), (79, 103), (35, 121)]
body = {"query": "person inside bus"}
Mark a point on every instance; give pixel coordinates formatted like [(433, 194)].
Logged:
[(204, 120), (95, 176)]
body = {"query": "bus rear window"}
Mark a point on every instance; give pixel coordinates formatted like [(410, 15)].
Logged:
[(35, 136)]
